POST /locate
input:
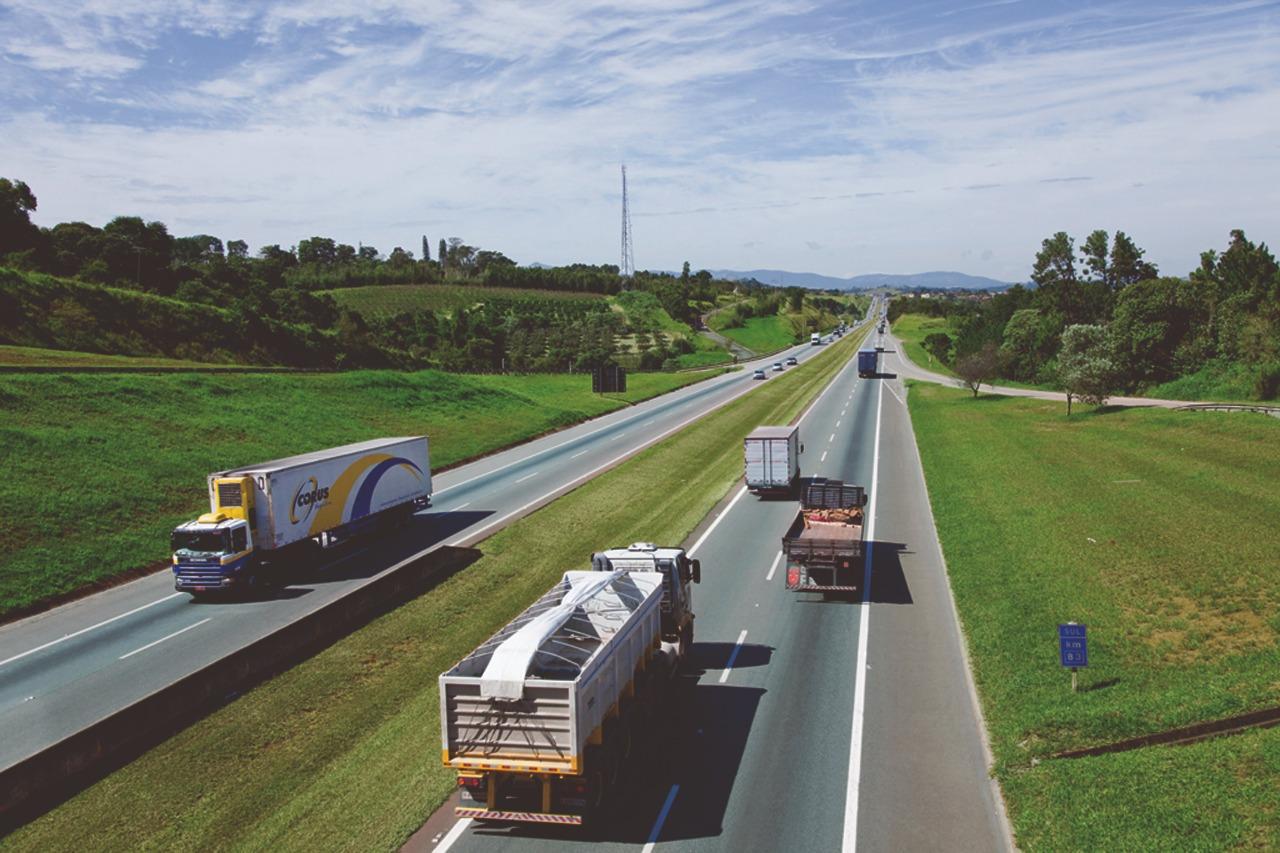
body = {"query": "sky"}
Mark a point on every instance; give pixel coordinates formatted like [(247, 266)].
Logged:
[(840, 138)]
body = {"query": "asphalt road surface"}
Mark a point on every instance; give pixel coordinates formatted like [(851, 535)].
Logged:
[(63, 670), (840, 725)]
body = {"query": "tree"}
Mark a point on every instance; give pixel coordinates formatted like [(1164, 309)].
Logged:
[(938, 345), (426, 248), (322, 251), (795, 299), (1055, 262), (16, 204), (1086, 367), (979, 367), (367, 253), (684, 273), (1127, 265), (1094, 252), (442, 254), (399, 257), (237, 249)]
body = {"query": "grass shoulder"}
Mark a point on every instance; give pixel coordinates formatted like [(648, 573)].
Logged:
[(1154, 528)]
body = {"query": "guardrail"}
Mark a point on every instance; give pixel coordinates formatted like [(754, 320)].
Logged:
[(1274, 411)]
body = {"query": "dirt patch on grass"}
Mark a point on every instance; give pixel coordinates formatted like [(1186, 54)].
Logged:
[(1192, 632)]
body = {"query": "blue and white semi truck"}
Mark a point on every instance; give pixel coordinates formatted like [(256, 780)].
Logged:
[(262, 516)]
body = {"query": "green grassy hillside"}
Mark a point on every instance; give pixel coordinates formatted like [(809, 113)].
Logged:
[(1156, 529), (98, 468)]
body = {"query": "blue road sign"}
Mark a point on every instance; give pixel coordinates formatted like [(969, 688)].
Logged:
[(1073, 645)]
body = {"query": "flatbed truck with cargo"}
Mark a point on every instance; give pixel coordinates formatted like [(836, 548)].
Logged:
[(263, 518), (543, 720), (824, 546)]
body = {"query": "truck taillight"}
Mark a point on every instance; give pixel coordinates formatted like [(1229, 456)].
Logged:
[(793, 576), (471, 781)]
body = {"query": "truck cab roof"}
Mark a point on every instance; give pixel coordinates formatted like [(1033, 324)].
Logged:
[(639, 555)]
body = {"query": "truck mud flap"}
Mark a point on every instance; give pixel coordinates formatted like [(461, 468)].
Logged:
[(519, 817)]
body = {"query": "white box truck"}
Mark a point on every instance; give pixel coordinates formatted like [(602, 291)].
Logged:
[(261, 516), (773, 458)]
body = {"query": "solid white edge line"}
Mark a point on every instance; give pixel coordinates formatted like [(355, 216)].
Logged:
[(452, 836), (73, 634), (849, 841), (662, 818), (773, 568), (733, 656), (716, 523), (155, 643)]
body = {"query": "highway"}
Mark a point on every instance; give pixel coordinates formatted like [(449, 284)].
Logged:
[(839, 725), (64, 669)]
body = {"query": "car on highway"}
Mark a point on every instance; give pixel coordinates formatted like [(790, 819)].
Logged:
[(759, 374), (777, 367), (791, 362)]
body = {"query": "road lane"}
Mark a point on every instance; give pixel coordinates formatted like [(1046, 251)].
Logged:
[(65, 669), (752, 773)]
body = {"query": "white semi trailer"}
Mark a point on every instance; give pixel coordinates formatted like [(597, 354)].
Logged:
[(262, 515), (772, 456)]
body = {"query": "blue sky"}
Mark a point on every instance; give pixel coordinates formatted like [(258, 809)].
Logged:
[(839, 138)]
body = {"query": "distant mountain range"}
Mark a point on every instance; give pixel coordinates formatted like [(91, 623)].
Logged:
[(936, 280)]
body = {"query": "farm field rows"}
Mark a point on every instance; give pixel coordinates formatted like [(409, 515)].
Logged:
[(391, 299), (1157, 530)]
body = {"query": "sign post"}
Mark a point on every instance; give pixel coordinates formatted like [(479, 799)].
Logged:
[(1073, 648)]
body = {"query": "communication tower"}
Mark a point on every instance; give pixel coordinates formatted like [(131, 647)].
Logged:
[(628, 265)]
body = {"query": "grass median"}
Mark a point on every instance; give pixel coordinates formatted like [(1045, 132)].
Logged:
[(99, 468), (343, 750), (1157, 529)]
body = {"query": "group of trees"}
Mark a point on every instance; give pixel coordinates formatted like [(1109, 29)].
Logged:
[(279, 287), (1103, 320)]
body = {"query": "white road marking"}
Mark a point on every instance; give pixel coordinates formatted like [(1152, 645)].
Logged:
[(66, 637), (453, 835), (896, 397), (716, 523), (580, 453), (650, 422), (773, 568), (528, 476), (460, 506), (662, 818), (833, 437), (849, 841), (824, 456), (618, 436), (162, 639), (838, 424), (733, 656)]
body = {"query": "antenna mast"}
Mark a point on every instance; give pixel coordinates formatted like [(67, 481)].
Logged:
[(628, 265)]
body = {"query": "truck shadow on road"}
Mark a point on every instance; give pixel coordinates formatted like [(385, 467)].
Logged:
[(716, 656), (888, 582)]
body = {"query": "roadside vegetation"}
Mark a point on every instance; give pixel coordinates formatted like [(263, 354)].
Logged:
[(346, 744), (1214, 333), (12, 356), (1157, 530), (386, 301), (138, 447), (773, 320)]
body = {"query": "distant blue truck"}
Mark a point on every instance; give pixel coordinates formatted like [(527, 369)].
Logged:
[(868, 362)]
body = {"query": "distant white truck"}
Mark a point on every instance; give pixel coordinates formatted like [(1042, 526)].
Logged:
[(262, 516), (815, 339), (772, 455)]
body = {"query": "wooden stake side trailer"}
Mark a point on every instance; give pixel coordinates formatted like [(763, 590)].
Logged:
[(539, 720), (826, 556)]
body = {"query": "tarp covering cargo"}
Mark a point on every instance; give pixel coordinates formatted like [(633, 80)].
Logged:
[(530, 696)]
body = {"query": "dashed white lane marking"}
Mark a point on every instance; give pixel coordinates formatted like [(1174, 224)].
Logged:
[(580, 453), (73, 634), (838, 424), (833, 437), (162, 639), (774, 567), (737, 647), (618, 436), (528, 476), (662, 818), (460, 506)]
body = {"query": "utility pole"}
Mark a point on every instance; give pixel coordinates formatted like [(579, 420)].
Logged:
[(628, 265)]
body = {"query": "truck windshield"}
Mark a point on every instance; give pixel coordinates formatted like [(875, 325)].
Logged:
[(200, 541)]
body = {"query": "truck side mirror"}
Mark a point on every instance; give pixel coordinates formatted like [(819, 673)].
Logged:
[(697, 570)]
